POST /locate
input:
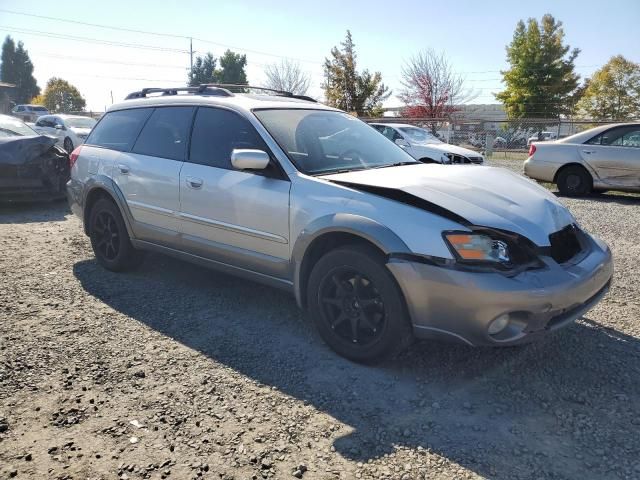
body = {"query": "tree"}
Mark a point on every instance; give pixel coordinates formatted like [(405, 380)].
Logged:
[(232, 71), (541, 79), (287, 76), (345, 88), (613, 92), (61, 97), (17, 69), (203, 70), (431, 88)]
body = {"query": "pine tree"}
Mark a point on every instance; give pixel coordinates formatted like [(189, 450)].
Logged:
[(346, 89), (203, 70), (232, 69), (17, 69)]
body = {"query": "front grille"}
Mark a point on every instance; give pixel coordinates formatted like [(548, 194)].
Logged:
[(475, 159), (565, 244)]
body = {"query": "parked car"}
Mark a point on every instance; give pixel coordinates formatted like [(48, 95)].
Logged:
[(601, 158), (542, 137), (426, 147), (71, 130), (29, 113), (32, 167), (378, 247)]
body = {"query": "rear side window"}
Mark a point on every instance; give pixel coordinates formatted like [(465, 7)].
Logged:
[(216, 132), (166, 133), (118, 130)]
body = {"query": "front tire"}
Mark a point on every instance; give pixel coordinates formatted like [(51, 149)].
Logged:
[(356, 305), (574, 181), (109, 238)]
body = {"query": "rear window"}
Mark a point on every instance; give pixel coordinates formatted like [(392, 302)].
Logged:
[(118, 130), (166, 133)]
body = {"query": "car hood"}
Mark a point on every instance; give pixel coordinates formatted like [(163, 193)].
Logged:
[(447, 148), (483, 196)]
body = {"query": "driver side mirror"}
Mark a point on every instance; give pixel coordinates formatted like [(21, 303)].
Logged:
[(60, 127), (248, 159), (401, 142)]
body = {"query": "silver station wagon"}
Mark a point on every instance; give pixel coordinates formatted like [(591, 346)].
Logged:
[(377, 247)]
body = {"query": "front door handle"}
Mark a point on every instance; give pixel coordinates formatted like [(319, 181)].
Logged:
[(194, 182), (124, 169)]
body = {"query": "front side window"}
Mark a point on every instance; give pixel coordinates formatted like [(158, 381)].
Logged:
[(118, 130), (216, 133), (166, 133), (324, 141)]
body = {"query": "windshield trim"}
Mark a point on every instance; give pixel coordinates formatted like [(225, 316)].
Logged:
[(321, 172)]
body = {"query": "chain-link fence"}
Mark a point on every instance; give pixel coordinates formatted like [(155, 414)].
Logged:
[(493, 136)]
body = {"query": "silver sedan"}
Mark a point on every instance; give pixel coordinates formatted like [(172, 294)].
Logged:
[(601, 158)]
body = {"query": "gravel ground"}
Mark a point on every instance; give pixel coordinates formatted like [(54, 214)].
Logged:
[(174, 371)]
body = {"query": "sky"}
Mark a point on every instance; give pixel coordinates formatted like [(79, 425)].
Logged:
[(104, 63)]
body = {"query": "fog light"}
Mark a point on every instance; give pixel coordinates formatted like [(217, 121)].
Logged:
[(499, 324)]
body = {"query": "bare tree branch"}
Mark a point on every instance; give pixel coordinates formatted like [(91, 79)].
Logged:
[(287, 76), (431, 88)]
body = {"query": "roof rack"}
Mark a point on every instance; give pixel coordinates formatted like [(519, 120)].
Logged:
[(201, 90), (216, 89), (238, 88)]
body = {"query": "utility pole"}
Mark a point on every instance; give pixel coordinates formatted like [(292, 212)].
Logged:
[(190, 59)]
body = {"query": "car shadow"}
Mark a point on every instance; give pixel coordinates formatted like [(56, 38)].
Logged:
[(502, 413), (606, 197), (34, 212)]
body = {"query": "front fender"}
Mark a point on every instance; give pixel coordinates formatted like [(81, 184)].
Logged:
[(370, 230)]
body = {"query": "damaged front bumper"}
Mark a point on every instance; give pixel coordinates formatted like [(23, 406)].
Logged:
[(462, 305)]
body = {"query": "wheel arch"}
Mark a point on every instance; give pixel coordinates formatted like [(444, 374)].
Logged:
[(572, 164), (333, 231), (104, 187)]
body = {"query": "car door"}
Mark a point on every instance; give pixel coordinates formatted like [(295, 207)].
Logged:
[(615, 156), (239, 218), (59, 129), (148, 173)]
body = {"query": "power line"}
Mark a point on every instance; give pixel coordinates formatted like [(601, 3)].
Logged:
[(110, 62), (147, 32), (92, 40), (77, 22)]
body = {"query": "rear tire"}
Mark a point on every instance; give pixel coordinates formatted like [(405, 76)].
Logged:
[(109, 238), (356, 305), (574, 181)]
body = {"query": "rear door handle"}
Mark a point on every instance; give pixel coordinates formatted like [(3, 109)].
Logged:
[(194, 182), (124, 169), (588, 152)]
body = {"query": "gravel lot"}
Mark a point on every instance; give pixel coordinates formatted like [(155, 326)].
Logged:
[(174, 371)]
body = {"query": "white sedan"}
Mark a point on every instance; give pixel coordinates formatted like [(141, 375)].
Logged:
[(424, 146), (71, 130), (601, 158)]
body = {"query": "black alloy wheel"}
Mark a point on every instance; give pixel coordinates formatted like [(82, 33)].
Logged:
[(351, 306)]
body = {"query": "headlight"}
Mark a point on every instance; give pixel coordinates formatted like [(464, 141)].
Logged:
[(478, 247)]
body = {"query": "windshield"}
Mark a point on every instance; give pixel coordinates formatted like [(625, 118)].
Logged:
[(11, 127), (80, 122), (321, 141), (419, 135)]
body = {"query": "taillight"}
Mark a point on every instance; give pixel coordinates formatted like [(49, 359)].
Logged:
[(532, 149), (74, 156)]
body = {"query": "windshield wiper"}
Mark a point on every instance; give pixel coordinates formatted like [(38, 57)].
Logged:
[(397, 164)]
